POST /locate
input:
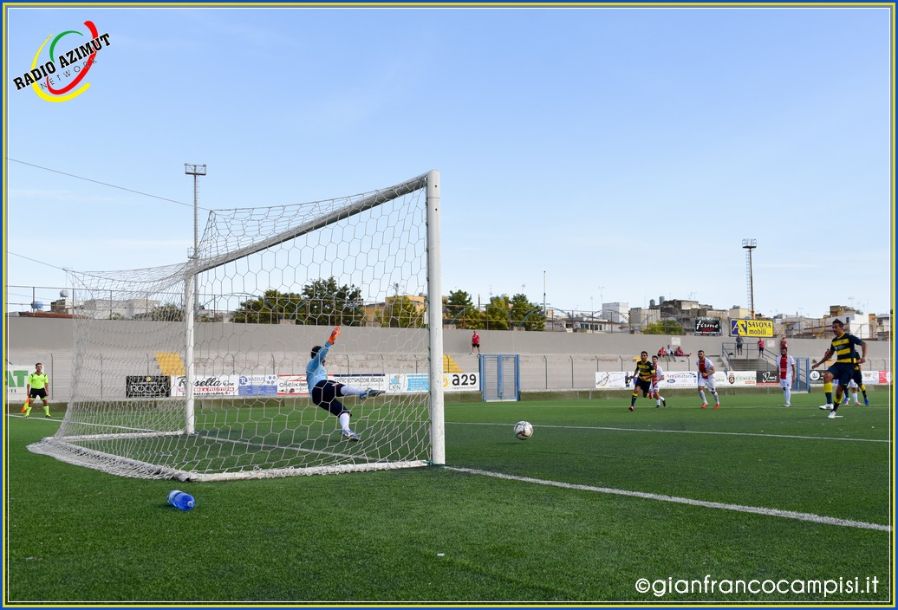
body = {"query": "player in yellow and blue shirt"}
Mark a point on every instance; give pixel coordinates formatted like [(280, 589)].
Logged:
[(843, 348)]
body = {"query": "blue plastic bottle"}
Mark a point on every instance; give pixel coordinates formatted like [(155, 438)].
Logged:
[(180, 500)]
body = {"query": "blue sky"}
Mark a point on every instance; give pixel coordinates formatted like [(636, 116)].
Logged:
[(624, 151)]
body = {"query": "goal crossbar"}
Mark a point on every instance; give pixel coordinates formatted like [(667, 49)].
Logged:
[(366, 203)]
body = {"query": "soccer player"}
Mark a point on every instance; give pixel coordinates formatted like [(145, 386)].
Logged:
[(706, 380), (857, 381), (324, 392), (787, 373), (37, 388), (843, 348), (642, 378), (657, 378)]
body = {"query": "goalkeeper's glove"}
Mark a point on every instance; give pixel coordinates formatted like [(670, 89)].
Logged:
[(334, 334)]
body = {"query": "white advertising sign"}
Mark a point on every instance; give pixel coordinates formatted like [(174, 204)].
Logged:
[(16, 380), (398, 383), (206, 385), (681, 379), (612, 380)]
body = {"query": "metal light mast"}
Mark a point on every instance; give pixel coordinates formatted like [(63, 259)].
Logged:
[(748, 245)]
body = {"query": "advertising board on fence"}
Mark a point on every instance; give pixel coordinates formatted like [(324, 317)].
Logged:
[(147, 386), (296, 385), (618, 380), (612, 380), (869, 377), (420, 382), (16, 380), (767, 378), (739, 379), (257, 385), (206, 385)]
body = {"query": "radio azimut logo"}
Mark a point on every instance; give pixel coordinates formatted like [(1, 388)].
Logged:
[(60, 78)]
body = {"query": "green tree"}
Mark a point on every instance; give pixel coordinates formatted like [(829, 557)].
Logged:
[(320, 302), (664, 327), (497, 313), (325, 302), (401, 312), (270, 308), (459, 309), (167, 312), (526, 314)]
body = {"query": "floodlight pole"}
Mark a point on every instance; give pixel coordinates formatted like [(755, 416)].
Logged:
[(750, 244)]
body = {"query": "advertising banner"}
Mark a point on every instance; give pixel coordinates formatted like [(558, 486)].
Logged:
[(751, 328), (147, 386), (257, 385), (707, 326), (767, 378), (738, 379), (16, 380), (292, 385), (680, 379), (206, 385), (461, 382), (614, 380), (399, 383)]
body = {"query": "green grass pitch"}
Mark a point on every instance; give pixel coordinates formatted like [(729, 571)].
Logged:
[(441, 534)]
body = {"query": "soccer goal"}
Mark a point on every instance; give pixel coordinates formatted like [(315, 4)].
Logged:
[(197, 371), (500, 377)]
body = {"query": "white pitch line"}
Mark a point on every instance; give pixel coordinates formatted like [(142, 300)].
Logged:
[(740, 508), (714, 432)]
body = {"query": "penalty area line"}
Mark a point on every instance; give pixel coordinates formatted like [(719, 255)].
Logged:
[(710, 432), (740, 508)]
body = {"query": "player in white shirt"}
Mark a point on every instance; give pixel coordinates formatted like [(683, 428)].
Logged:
[(706, 380), (851, 394), (657, 378), (786, 373)]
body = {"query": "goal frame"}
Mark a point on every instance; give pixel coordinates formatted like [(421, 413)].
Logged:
[(430, 184)]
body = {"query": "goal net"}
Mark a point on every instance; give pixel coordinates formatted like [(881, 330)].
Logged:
[(197, 371)]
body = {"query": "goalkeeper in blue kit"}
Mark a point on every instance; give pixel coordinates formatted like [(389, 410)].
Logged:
[(325, 392)]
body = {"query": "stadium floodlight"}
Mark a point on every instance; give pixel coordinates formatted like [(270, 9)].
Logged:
[(750, 244), (168, 393)]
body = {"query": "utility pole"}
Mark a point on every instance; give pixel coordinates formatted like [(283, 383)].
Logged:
[(748, 245), (192, 169)]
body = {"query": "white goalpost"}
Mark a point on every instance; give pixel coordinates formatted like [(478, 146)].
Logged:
[(197, 371)]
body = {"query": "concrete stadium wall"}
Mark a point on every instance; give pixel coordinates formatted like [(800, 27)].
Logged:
[(549, 361)]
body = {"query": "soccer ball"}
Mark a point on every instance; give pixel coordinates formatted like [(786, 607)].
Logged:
[(523, 430)]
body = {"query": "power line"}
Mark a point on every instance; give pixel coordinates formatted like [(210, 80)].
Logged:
[(34, 260), (115, 186)]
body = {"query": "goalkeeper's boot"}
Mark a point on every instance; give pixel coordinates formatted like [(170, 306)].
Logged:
[(371, 393), (351, 436)]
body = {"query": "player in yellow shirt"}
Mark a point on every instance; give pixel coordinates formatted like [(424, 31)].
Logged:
[(38, 382)]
